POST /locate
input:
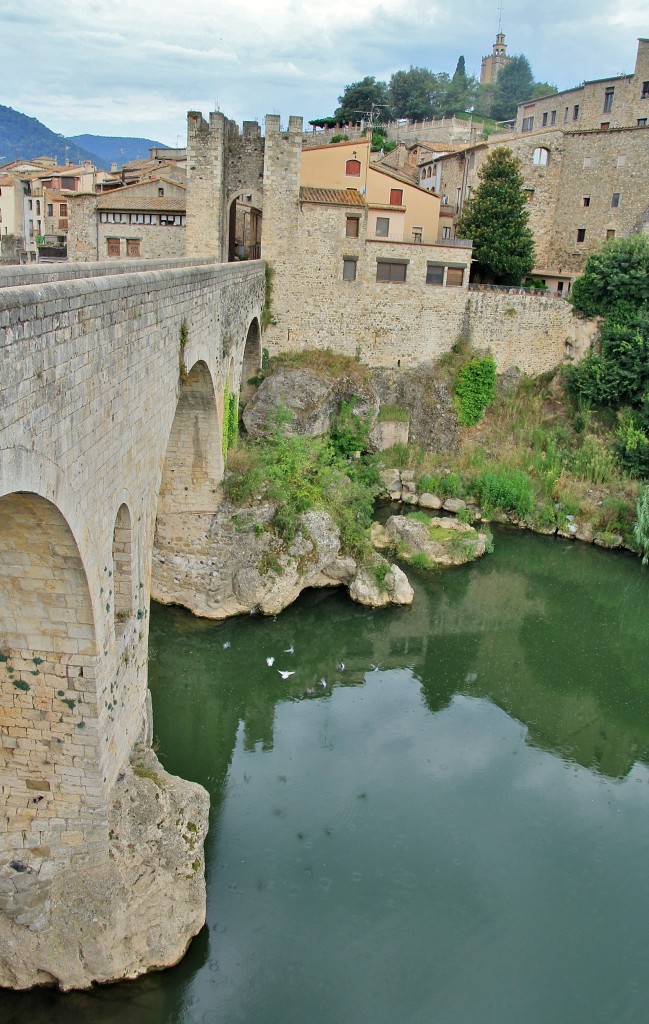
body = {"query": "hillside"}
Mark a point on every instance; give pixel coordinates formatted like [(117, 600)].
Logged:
[(115, 148), (23, 137)]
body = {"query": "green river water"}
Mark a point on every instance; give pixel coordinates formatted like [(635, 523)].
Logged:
[(454, 830)]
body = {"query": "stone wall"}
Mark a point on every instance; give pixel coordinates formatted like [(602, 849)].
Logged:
[(98, 375), (401, 324), (579, 164)]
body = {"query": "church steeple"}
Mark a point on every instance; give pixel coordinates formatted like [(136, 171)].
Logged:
[(495, 62)]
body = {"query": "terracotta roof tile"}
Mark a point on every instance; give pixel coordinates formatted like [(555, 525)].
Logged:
[(116, 200), (332, 196)]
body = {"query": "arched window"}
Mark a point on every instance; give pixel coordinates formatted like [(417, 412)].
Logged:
[(353, 168), (540, 156)]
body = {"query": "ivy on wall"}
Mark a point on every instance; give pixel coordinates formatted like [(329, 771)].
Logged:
[(475, 389), (230, 420)]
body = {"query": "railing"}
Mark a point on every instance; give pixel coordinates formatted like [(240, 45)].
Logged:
[(507, 289), (456, 243)]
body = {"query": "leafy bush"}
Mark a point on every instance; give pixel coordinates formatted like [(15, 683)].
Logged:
[(615, 278), (451, 484), (509, 490), (428, 483), (632, 446), (475, 390), (349, 431), (302, 473)]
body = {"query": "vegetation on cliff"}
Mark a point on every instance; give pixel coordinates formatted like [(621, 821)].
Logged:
[(300, 473), (614, 377)]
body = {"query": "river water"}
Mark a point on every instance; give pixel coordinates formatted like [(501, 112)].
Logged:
[(454, 829)]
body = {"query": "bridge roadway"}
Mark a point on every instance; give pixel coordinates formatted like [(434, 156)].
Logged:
[(113, 380)]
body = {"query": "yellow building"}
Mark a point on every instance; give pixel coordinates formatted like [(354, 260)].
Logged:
[(398, 210)]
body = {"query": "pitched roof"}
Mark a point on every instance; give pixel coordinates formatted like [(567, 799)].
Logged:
[(332, 196), (116, 200)]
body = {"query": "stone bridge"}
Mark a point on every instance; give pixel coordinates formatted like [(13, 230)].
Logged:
[(111, 413)]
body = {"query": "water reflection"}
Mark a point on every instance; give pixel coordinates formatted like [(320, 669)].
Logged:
[(438, 833), (552, 632)]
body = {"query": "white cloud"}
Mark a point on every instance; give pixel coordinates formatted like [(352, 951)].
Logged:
[(122, 67)]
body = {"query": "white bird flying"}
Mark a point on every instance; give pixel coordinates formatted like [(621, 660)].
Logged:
[(270, 661), (285, 675), (290, 650), (226, 645)]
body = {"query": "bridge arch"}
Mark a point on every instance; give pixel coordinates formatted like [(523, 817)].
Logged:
[(193, 462), (49, 665), (252, 358)]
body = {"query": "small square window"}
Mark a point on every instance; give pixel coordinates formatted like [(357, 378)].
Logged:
[(608, 100), (644, 95), (417, 235), (434, 274), (382, 227), (396, 197), (610, 233), (545, 120), (351, 227), (132, 246), (387, 271), (621, 161), (615, 199), (642, 122), (575, 112), (349, 269), (586, 201), (113, 246), (581, 234), (454, 277), (446, 232), (161, 192)]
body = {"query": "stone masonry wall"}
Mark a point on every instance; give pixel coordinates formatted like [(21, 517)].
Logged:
[(91, 383), (408, 324)]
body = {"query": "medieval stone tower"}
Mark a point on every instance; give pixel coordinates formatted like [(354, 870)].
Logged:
[(229, 171)]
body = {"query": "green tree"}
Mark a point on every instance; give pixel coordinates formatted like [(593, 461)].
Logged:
[(615, 286), (515, 85), (461, 91), (496, 218), (542, 89), (360, 99), (615, 279), (410, 93)]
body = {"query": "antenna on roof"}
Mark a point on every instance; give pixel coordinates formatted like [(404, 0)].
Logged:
[(500, 17)]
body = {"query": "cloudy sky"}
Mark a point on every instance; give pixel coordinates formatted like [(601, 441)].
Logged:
[(112, 67)]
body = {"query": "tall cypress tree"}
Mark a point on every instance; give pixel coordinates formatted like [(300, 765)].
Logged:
[(496, 218)]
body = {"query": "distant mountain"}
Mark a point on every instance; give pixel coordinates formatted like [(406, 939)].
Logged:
[(115, 148), (23, 138)]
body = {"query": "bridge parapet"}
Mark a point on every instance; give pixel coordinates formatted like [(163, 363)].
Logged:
[(42, 273)]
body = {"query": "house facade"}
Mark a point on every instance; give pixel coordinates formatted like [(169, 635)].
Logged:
[(145, 221), (583, 188), (398, 209), (616, 102)]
